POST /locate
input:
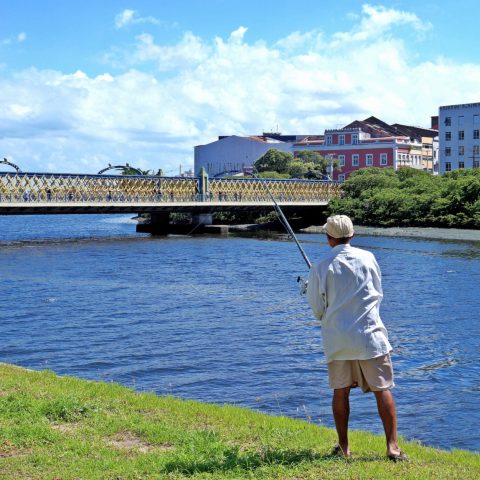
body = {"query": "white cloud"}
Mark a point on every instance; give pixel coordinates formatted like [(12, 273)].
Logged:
[(124, 18), (21, 37), (237, 35), (298, 40), (19, 111), (376, 21), (170, 97), (189, 51), (128, 17)]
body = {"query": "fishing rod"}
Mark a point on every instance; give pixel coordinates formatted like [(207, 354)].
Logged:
[(283, 220)]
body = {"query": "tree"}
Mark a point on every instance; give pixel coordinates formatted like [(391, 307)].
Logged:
[(272, 174), (133, 171), (322, 166), (297, 169), (308, 156), (274, 160), (367, 179)]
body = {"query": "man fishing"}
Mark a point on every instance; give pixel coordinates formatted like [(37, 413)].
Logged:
[(344, 290)]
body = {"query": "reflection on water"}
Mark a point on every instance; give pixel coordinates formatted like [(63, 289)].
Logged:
[(220, 320)]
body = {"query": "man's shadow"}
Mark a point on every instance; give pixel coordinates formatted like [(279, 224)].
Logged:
[(234, 459)]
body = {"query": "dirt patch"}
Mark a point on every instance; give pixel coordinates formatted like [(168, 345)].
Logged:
[(9, 450), (65, 427), (129, 441), (156, 414)]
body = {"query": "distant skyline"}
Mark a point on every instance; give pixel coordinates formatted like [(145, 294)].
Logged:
[(84, 84)]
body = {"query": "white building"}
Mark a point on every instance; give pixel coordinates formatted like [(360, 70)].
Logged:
[(234, 153), (459, 136)]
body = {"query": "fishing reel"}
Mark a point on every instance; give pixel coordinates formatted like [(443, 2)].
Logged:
[(302, 285)]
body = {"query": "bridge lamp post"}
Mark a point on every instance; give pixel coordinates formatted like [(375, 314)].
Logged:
[(123, 168), (6, 162)]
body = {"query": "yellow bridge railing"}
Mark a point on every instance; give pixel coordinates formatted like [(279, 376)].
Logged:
[(76, 188)]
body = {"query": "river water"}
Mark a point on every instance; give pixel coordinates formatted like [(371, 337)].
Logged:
[(220, 320)]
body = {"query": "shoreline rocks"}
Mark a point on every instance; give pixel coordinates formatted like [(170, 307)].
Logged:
[(429, 233)]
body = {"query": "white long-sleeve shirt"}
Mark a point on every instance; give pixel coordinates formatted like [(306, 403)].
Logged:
[(345, 291)]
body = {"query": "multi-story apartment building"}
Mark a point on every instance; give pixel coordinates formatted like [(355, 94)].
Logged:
[(459, 136), (429, 140)]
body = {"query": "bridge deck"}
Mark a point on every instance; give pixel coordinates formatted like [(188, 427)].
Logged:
[(35, 208)]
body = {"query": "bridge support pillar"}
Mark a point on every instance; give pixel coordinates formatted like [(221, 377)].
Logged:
[(202, 219), (158, 225)]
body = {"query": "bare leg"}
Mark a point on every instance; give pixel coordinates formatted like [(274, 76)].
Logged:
[(341, 413), (386, 410)]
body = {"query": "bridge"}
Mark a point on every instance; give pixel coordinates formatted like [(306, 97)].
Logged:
[(54, 193)]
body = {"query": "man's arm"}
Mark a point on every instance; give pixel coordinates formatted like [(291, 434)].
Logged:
[(314, 296)]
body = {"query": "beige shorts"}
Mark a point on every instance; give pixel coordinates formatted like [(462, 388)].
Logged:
[(372, 375)]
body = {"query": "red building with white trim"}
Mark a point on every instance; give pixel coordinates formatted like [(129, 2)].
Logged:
[(368, 143)]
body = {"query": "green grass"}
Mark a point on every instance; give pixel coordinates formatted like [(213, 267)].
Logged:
[(64, 428)]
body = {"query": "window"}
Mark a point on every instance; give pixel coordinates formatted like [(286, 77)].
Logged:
[(448, 151), (461, 164), (355, 160), (355, 138), (383, 159), (476, 119), (461, 120), (369, 159), (328, 140), (341, 177), (476, 164), (476, 134), (448, 136), (448, 166), (341, 139), (448, 121), (461, 135), (476, 149), (341, 160), (461, 150)]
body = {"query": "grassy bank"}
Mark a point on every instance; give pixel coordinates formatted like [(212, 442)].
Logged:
[(64, 428)]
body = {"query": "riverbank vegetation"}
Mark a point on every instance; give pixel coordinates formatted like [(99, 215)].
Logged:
[(62, 427), (409, 197)]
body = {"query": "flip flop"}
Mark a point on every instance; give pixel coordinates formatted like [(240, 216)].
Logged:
[(338, 452), (399, 457)]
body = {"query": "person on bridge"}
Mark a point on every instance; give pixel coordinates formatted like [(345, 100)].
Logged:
[(344, 291)]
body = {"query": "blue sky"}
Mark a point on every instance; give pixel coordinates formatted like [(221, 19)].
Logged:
[(85, 83)]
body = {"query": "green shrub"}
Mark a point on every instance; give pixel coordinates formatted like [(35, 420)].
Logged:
[(410, 197)]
